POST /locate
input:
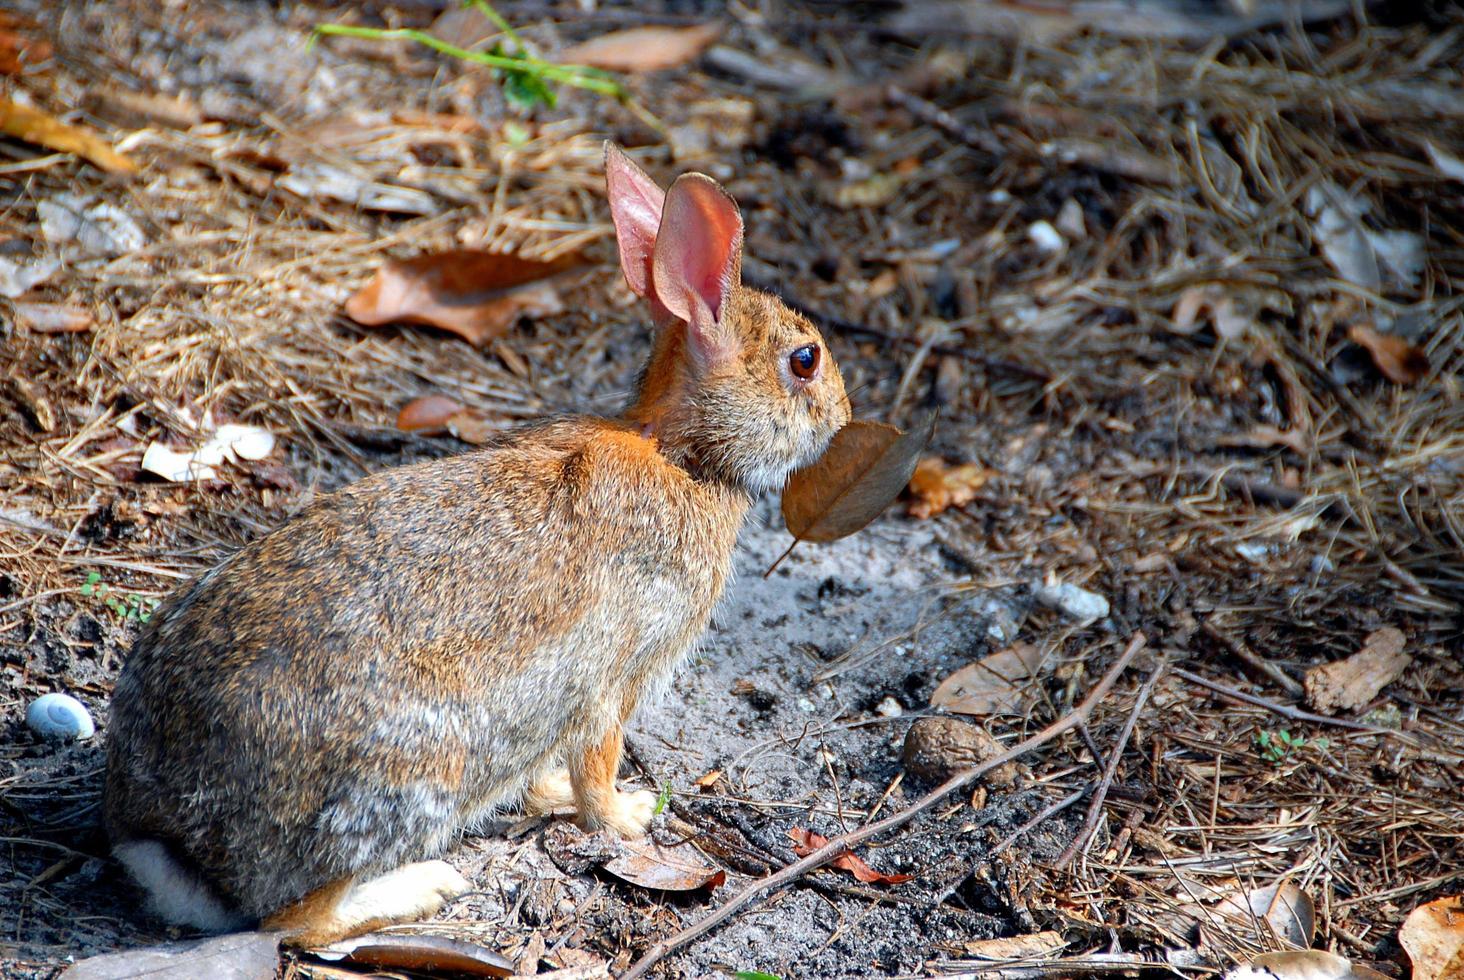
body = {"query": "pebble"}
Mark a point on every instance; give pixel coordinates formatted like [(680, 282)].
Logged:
[(937, 748), (1045, 237), (61, 717), (889, 708), (1072, 601)]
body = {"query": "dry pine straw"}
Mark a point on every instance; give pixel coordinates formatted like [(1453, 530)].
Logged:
[(1194, 167)]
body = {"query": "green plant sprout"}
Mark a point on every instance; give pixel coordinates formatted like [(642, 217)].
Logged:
[(134, 606), (753, 975), (527, 78), (662, 798), (1276, 747)]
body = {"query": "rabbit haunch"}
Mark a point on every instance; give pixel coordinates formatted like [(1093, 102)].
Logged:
[(304, 724)]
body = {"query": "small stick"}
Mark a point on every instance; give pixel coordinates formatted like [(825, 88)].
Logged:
[(1238, 647), (844, 842), (1095, 808), (1046, 812)]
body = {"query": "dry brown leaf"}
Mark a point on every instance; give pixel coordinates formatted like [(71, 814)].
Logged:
[(43, 129), (236, 956), (1033, 946), (426, 954), (672, 869), (991, 685), (18, 49), (1287, 910), (428, 415), (709, 780), (1399, 361), (938, 486), (1351, 683), (1302, 964), (53, 317), (476, 295), (643, 48), (805, 842), (1433, 935), (865, 467)]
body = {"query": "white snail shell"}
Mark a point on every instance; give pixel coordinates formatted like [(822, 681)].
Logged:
[(59, 716)]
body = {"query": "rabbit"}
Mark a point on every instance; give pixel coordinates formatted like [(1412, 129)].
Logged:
[(301, 732)]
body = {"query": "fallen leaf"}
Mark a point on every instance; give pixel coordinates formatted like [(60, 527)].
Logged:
[(1033, 946), (805, 842), (865, 467), (1361, 255), (53, 317), (1302, 964), (428, 954), (642, 48), (1399, 361), (672, 869), (991, 685), (476, 295), (236, 956), (709, 780), (428, 415), (938, 486), (43, 129), (472, 426), (1285, 908), (19, 50), (99, 227), (17, 280), (227, 443), (1433, 935), (1352, 683)]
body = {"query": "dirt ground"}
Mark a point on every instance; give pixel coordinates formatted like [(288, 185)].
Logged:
[(1111, 264)]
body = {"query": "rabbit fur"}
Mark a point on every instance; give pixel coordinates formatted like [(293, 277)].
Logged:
[(300, 730)]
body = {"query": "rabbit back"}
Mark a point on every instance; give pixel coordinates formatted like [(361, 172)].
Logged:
[(397, 662)]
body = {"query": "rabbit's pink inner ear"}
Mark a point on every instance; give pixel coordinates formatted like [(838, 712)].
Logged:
[(635, 207), (698, 259)]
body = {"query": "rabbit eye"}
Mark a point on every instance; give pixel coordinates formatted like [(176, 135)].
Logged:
[(803, 362)]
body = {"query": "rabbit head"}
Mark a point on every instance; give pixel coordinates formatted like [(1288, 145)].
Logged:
[(739, 388)]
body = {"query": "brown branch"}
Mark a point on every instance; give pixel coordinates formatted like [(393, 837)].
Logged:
[(1095, 808), (1238, 647), (844, 842)]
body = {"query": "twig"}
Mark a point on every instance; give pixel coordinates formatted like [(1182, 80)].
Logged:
[(1042, 815), (1095, 808), (930, 113), (1238, 647), (843, 842)]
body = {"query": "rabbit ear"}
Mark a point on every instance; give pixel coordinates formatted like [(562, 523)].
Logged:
[(698, 262), (635, 206)]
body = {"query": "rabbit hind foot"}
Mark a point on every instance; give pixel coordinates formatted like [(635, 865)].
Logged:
[(549, 793), (347, 907)]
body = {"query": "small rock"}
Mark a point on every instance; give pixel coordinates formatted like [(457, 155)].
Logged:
[(1072, 601), (889, 708), (1045, 237), (938, 748), (60, 717)]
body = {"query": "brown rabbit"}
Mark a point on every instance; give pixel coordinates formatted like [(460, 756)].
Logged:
[(437, 643)]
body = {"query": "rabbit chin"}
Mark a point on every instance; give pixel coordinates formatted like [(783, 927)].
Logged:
[(771, 472)]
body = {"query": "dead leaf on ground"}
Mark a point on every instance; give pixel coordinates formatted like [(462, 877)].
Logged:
[(1433, 935), (428, 415), (1285, 908), (53, 317), (643, 48), (709, 780), (1361, 255), (44, 129), (938, 486), (476, 295), (1302, 964), (991, 685), (865, 467), (20, 49), (672, 869), (1034, 946), (805, 842), (1399, 361), (425, 954), (1351, 683), (236, 956)]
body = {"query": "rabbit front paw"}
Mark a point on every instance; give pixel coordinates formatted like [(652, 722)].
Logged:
[(629, 814)]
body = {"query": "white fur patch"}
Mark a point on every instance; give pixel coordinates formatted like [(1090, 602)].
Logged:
[(174, 894)]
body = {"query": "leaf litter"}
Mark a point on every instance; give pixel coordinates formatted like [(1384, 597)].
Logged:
[(805, 842)]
